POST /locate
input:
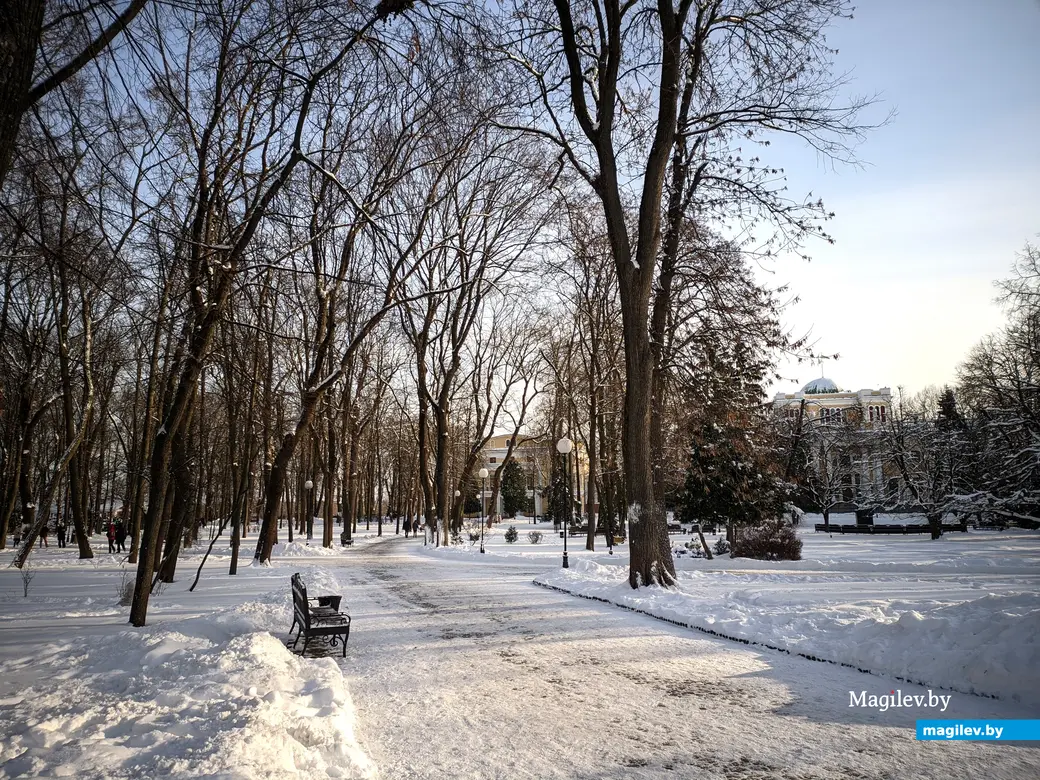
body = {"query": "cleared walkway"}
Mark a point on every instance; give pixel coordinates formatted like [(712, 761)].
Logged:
[(467, 670)]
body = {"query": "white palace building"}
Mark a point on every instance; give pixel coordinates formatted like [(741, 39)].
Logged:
[(824, 399), (833, 415)]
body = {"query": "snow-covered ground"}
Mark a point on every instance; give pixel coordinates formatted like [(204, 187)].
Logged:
[(209, 688), (961, 612), (459, 667)]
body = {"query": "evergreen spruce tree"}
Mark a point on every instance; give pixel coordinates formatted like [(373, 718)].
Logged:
[(949, 418), (734, 471), (514, 488), (559, 499)]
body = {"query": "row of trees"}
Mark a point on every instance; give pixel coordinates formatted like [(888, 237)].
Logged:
[(284, 261)]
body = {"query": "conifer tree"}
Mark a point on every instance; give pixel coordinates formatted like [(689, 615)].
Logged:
[(732, 476), (514, 488)]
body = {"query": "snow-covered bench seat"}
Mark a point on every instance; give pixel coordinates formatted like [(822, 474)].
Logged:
[(317, 617)]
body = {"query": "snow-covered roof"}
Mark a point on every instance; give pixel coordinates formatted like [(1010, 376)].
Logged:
[(821, 385)]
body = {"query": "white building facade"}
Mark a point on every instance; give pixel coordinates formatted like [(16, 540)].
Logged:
[(840, 419)]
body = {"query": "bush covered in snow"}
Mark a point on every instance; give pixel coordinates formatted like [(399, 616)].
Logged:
[(534, 536), (721, 546), (691, 549), (772, 540), (511, 534)]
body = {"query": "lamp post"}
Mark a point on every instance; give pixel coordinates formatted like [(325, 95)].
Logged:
[(534, 493), (309, 487), (457, 508), (483, 473), (564, 447)]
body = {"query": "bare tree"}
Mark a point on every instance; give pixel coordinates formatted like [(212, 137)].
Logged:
[(30, 40), (717, 70)]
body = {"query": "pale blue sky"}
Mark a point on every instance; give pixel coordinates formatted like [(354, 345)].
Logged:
[(949, 190)]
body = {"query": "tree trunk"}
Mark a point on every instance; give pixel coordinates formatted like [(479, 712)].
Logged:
[(651, 556), (590, 493), (935, 524), (21, 23)]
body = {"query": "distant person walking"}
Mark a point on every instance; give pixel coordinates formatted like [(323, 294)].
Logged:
[(407, 526), (121, 536), (111, 536), (61, 531), (43, 536)]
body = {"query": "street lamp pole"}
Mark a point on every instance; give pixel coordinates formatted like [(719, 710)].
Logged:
[(456, 509), (483, 474), (309, 487), (564, 446)]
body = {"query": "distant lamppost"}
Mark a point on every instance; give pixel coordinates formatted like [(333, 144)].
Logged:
[(564, 447), (534, 493), (309, 487), (483, 473), (456, 507)]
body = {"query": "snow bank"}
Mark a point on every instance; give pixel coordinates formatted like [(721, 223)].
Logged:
[(212, 696), (298, 550), (988, 645)]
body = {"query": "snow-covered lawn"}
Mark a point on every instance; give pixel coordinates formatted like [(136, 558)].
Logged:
[(207, 689), (961, 612)]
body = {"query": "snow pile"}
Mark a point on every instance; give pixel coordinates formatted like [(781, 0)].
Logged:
[(214, 696), (298, 550), (987, 645)]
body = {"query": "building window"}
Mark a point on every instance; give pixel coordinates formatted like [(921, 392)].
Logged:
[(493, 460), (833, 415)]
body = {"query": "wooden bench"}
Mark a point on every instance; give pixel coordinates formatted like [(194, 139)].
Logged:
[(319, 616)]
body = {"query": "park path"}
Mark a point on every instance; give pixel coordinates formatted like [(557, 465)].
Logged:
[(468, 670)]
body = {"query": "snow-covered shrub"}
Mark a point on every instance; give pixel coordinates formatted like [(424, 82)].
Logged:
[(534, 536), (126, 590), (721, 546), (772, 540), (511, 534), (691, 549), (27, 572), (456, 537), (474, 536)]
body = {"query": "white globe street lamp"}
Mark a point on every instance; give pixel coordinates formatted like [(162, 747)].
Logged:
[(483, 474), (564, 447), (309, 487)]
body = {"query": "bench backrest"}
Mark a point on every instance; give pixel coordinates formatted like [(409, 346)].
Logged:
[(299, 596)]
